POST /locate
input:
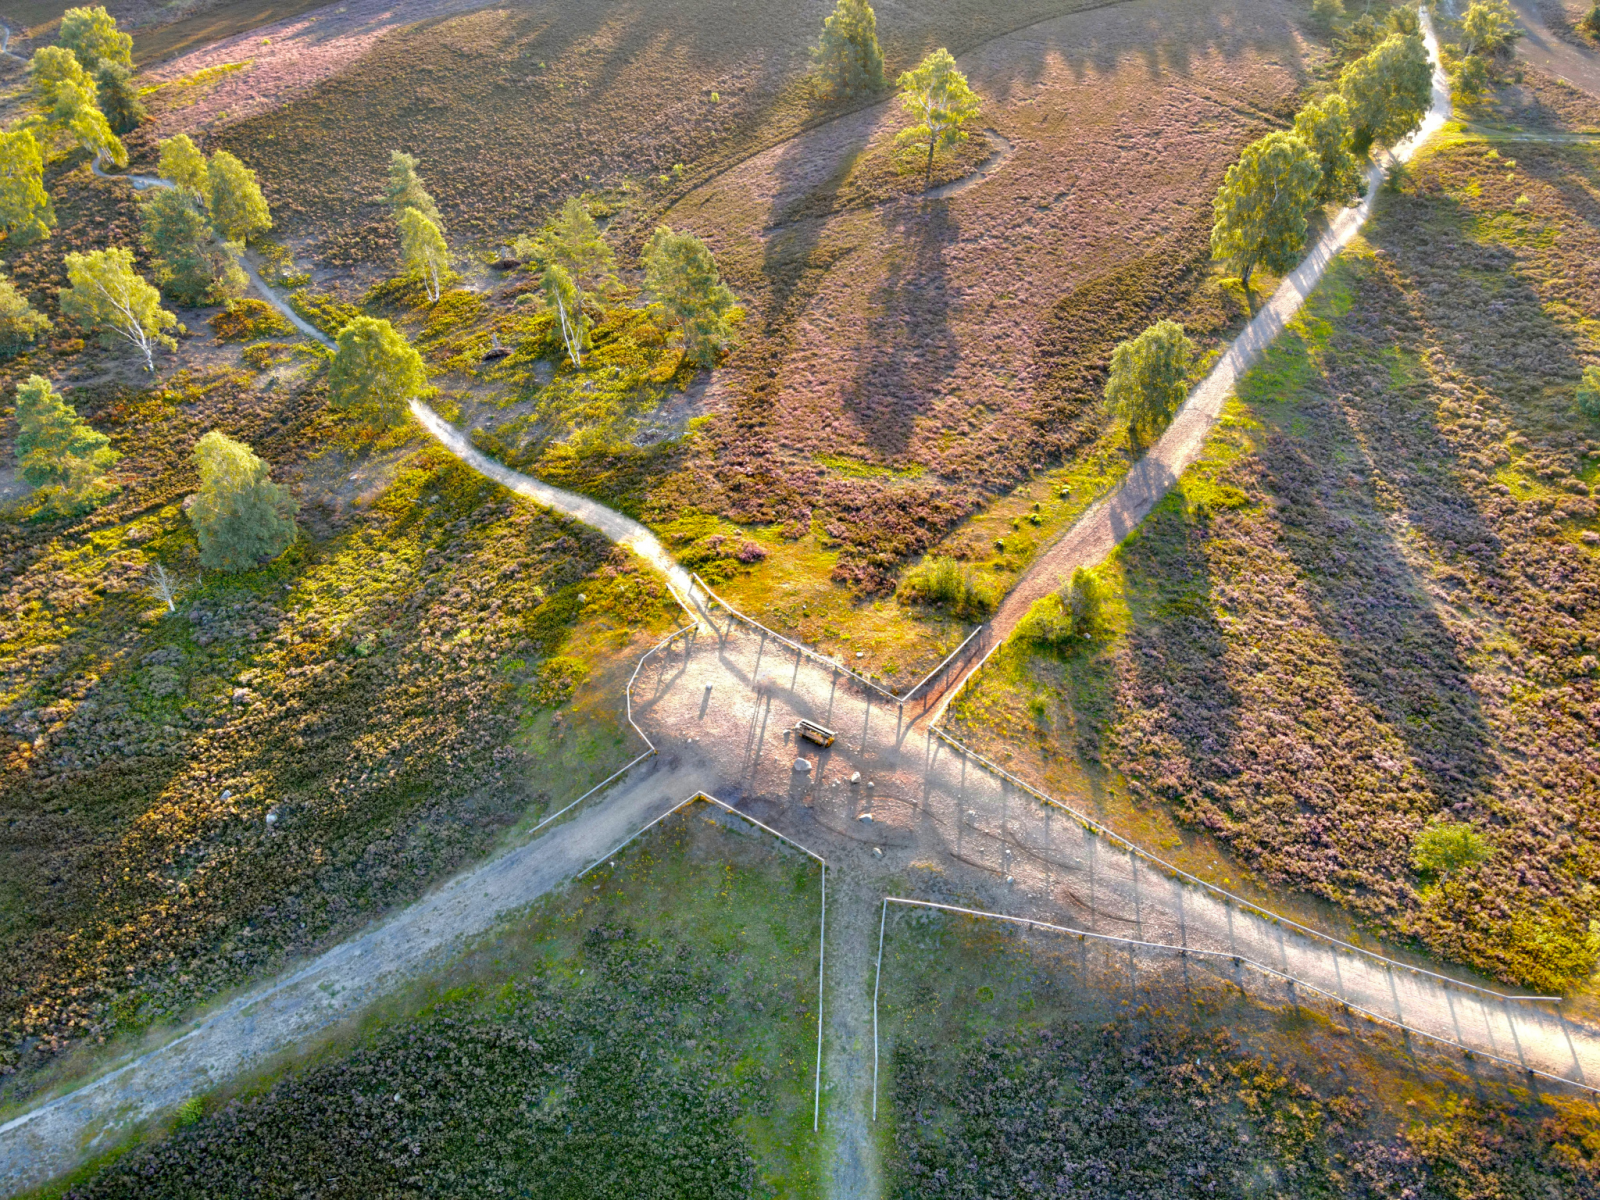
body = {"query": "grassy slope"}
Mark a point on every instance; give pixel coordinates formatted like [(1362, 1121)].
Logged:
[(1373, 605), (658, 1026), (1012, 1062)]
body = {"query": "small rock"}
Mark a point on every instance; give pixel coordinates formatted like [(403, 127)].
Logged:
[(867, 817), (856, 777), (861, 653), (870, 784), (583, 598), (227, 795), (802, 766), (1009, 879), (877, 852), (272, 819)]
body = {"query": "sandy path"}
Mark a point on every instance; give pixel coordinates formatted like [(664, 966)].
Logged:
[(1540, 46), (1098, 532), (249, 1030)]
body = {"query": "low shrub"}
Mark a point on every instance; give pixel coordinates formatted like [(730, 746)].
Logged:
[(1587, 396), (950, 583), (249, 321)]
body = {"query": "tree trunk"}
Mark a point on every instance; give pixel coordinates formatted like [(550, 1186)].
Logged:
[(932, 142), (1244, 279)]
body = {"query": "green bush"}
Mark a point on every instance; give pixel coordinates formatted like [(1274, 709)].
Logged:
[(240, 516), (950, 583), (1588, 393), (1327, 12), (1446, 847), (1591, 21)]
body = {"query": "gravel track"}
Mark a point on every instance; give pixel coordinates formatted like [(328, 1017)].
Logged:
[(1540, 46)]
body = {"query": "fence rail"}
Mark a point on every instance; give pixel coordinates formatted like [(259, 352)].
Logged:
[(964, 650), (1182, 952)]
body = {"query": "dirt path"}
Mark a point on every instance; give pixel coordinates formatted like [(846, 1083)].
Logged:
[(251, 1029), (1540, 46), (1098, 532)]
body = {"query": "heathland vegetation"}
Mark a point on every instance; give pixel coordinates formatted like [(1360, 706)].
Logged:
[(1356, 645), (1010, 1060)]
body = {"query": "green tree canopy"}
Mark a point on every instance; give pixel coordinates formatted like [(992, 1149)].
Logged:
[(240, 517), (423, 249), (1388, 91), (49, 69), (238, 209), (25, 210), (20, 323), (375, 372), (1324, 126), (56, 447), (1489, 28), (681, 274), (112, 300), (119, 98), (574, 242), (848, 60), (191, 264), (94, 39), (938, 96), (562, 297), (1448, 846), (405, 189), (1149, 376), (1264, 205), (184, 164)]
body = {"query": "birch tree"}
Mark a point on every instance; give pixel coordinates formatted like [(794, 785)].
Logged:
[(238, 209), (423, 249), (191, 263), (25, 210), (110, 299), (91, 34), (405, 189), (1149, 377), (184, 164), (562, 296), (1324, 126), (375, 371), (1388, 91), (938, 96), (1264, 206)]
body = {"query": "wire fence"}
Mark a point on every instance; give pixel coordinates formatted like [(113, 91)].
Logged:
[(970, 645), (1084, 935), (1222, 893), (822, 919)]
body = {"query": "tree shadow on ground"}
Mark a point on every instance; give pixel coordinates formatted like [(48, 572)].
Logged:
[(909, 351), (1181, 706)]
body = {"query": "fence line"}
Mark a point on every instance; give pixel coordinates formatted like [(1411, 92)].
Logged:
[(1276, 918), (1103, 830), (822, 919), (833, 664), (1182, 952)]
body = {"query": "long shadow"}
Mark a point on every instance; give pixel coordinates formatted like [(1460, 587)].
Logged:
[(1186, 706), (909, 351)]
